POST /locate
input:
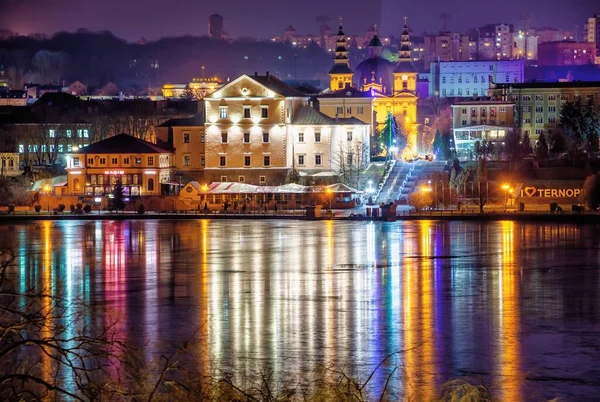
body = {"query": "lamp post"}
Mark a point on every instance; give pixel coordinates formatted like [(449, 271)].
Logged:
[(204, 189), (424, 190), (329, 192), (506, 189)]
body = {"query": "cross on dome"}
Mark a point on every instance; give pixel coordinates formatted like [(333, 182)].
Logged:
[(405, 18), (375, 27)]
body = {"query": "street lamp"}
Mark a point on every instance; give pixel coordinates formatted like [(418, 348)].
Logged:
[(329, 192), (424, 190), (506, 189)]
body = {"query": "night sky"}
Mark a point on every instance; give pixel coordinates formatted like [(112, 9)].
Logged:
[(132, 19)]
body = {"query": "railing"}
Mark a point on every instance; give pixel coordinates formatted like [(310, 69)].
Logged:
[(384, 179)]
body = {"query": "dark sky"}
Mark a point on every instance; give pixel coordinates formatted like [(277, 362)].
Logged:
[(152, 19)]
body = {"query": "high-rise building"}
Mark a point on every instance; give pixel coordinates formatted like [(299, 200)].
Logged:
[(215, 26), (566, 53), (592, 32), (495, 42), (447, 46)]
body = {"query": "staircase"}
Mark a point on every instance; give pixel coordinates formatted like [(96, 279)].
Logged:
[(390, 190), (404, 179)]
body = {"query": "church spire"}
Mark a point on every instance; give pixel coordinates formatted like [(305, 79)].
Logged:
[(405, 51), (375, 45), (341, 74)]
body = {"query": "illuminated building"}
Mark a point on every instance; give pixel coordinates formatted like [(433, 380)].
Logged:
[(383, 89), (186, 137), (538, 105), (495, 42), (144, 168), (198, 88), (592, 32), (340, 75), (478, 120), (448, 46), (566, 53), (465, 79)]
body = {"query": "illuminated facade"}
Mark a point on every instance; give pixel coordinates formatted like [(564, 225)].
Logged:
[(538, 105), (478, 120), (198, 88), (246, 127), (340, 75), (144, 168), (384, 89)]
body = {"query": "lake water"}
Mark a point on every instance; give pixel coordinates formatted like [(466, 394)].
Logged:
[(513, 305)]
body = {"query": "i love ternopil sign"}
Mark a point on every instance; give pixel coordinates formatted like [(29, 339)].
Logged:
[(538, 192)]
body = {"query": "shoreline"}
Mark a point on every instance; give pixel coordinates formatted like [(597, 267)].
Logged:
[(585, 218)]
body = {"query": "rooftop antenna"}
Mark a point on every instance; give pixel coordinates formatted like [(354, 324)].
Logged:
[(445, 17)]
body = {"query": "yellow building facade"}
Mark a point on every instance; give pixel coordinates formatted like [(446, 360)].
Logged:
[(380, 88)]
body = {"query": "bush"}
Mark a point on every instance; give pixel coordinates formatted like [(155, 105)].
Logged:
[(141, 209), (61, 208), (72, 208), (87, 209), (38, 208), (420, 200), (79, 205), (11, 208), (591, 191)]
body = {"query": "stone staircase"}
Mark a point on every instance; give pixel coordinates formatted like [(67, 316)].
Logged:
[(405, 178)]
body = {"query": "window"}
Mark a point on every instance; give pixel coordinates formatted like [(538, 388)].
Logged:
[(507, 78), (301, 160), (502, 110), (360, 110), (90, 161), (76, 162), (69, 134), (526, 109), (202, 138), (202, 161), (493, 112), (150, 184), (526, 98), (247, 160), (138, 161), (538, 131), (187, 160), (223, 112), (475, 79), (224, 137), (463, 111), (115, 161), (539, 109), (246, 138), (85, 134), (468, 92), (126, 161), (551, 97), (552, 108), (443, 80), (317, 136), (444, 92), (223, 178), (459, 91), (491, 67), (564, 97), (339, 110), (349, 135), (186, 138), (262, 179), (242, 179), (265, 137), (264, 112), (51, 133), (539, 120), (404, 85), (318, 158), (267, 160), (300, 137), (349, 110), (349, 159), (43, 148), (151, 161), (473, 112), (460, 79), (246, 112), (102, 161), (483, 113), (527, 121), (551, 119), (21, 148)]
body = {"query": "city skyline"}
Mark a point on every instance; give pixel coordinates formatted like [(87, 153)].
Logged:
[(131, 22)]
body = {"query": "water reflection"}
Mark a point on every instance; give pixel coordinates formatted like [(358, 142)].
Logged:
[(455, 298)]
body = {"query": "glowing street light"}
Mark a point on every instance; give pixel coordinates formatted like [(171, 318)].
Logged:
[(506, 189)]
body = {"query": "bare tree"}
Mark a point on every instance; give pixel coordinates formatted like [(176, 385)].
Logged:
[(49, 66)]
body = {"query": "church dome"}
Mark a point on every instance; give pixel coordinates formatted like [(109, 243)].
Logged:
[(377, 70)]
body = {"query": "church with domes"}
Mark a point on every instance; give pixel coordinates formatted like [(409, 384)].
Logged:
[(377, 84)]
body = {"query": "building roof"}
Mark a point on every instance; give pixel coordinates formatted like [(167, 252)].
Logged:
[(197, 120), (405, 67), (550, 85), (340, 69), (123, 144), (276, 85), (347, 93), (375, 42), (483, 101), (306, 115)]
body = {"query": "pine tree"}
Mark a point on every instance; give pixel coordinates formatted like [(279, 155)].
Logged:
[(392, 137), (541, 148), (438, 146), (526, 148), (117, 202)]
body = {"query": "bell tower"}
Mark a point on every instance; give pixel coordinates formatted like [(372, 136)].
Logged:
[(340, 75)]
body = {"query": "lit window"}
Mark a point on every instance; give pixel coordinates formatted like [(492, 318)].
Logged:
[(151, 161), (51, 133), (223, 112)]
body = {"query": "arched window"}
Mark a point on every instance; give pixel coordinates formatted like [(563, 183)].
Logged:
[(150, 184), (404, 85), (76, 185)]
